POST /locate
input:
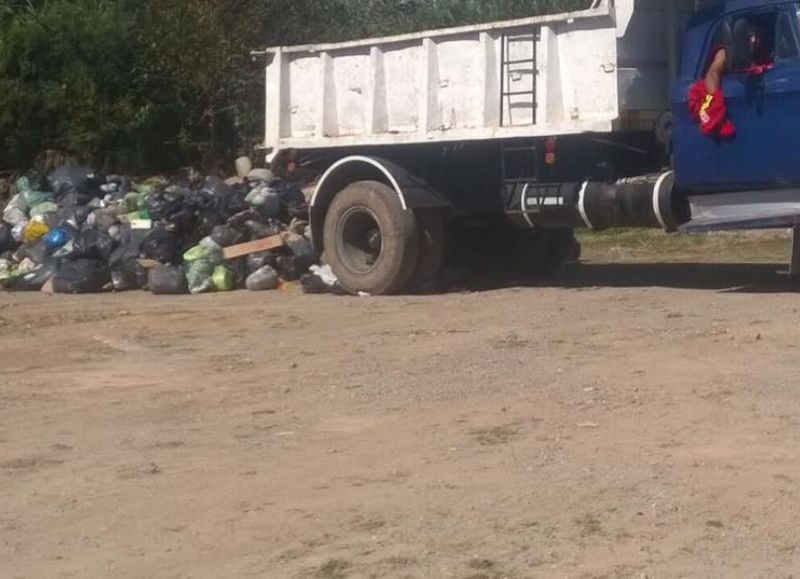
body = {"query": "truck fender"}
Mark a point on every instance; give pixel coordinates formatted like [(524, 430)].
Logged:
[(412, 192)]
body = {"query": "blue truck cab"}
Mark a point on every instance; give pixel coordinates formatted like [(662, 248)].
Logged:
[(762, 104)]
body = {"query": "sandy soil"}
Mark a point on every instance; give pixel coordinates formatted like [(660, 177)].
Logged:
[(636, 420)]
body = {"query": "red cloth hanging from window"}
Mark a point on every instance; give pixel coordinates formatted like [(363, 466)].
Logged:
[(709, 110)]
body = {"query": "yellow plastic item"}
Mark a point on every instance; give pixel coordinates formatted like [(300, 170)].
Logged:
[(34, 231)]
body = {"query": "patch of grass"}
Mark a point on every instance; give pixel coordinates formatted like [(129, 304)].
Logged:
[(482, 564), (494, 436), (333, 569), (590, 526), (644, 245)]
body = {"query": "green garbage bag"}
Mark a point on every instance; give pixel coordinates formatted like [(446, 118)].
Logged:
[(43, 209), (32, 198), (200, 276), (223, 278)]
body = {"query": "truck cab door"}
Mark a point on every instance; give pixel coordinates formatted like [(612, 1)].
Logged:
[(763, 103)]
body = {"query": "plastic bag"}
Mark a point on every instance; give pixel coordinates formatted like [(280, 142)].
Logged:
[(162, 246), (30, 194), (291, 267), (34, 280), (292, 198), (80, 276), (200, 276), (260, 230), (226, 236), (36, 252), (124, 275), (266, 199), (43, 209), (223, 278), (56, 238), (207, 250), (92, 243), (263, 279), (73, 215), (216, 187), (18, 231), (256, 261), (240, 219), (34, 231), (82, 184), (320, 280), (300, 246), (7, 241), (167, 280), (16, 210), (170, 205)]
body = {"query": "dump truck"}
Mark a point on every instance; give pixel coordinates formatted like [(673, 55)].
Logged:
[(534, 127)]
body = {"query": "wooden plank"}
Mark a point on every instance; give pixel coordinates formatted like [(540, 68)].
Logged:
[(274, 242)]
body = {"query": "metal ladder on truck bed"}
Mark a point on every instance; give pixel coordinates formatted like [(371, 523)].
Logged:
[(518, 58)]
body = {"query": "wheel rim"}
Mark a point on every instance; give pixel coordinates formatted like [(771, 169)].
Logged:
[(360, 240)]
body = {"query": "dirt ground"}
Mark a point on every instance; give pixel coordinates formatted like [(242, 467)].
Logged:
[(629, 420)]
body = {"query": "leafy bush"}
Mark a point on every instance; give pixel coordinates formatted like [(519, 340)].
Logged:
[(149, 85)]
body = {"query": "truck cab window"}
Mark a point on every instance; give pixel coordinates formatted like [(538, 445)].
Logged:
[(785, 40), (754, 40)]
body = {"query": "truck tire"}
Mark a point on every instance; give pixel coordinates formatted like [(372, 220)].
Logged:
[(371, 242), (431, 250)]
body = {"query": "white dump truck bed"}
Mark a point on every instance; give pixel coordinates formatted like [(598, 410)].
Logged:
[(601, 69)]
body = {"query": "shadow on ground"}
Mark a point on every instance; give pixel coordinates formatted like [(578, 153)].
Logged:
[(720, 277)]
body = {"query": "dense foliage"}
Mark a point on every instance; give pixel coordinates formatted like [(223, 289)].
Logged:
[(150, 85)]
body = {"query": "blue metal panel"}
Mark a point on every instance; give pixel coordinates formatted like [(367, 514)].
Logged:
[(765, 110)]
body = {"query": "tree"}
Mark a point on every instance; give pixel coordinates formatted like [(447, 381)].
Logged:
[(144, 85)]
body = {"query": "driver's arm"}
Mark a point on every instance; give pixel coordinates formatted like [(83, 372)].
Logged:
[(715, 71)]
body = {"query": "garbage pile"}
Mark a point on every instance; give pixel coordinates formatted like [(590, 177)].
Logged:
[(75, 231)]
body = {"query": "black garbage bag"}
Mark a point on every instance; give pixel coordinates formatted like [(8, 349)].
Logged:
[(167, 280), (292, 199), (72, 215), (259, 230), (162, 246), (239, 273), (38, 252), (93, 243), (226, 236), (124, 275), (7, 241), (313, 284), (81, 276), (142, 276), (292, 267), (216, 187), (209, 211), (239, 220), (34, 281), (126, 251), (263, 279), (237, 202), (256, 261), (82, 184), (175, 206)]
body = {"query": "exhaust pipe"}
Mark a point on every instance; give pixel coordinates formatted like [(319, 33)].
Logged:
[(648, 201)]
